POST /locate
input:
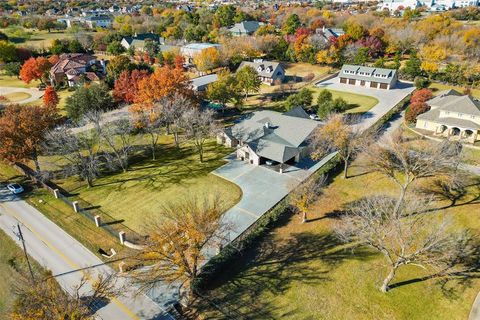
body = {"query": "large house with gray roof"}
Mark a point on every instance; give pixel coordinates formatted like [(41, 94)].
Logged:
[(244, 28), (270, 72), (369, 77), (270, 136), (452, 115), (138, 41)]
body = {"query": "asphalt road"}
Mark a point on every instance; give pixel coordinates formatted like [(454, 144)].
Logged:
[(68, 260)]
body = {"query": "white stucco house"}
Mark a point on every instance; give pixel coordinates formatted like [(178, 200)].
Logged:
[(452, 115), (270, 136)]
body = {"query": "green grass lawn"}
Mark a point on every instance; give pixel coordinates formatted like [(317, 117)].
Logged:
[(137, 195), (43, 39), (437, 87), (7, 81), (301, 271), (358, 103)]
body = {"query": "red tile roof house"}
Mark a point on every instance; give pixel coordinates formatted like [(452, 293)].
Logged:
[(73, 68)]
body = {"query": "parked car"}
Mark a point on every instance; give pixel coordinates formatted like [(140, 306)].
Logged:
[(270, 162), (42, 87), (313, 116), (15, 188)]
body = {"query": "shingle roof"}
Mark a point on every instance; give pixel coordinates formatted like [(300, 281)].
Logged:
[(266, 69), (456, 103), (367, 73), (297, 112), (205, 80), (280, 140), (245, 27)]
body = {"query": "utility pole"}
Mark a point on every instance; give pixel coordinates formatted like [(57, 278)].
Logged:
[(20, 237)]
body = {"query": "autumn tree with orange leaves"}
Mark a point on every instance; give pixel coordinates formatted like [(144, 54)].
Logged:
[(50, 97), (21, 131), (163, 82), (127, 85), (35, 69)]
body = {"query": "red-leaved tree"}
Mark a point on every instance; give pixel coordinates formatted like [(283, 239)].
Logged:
[(127, 84), (421, 95), (50, 98), (22, 129), (35, 69)]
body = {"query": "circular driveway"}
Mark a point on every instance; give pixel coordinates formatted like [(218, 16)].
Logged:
[(34, 94)]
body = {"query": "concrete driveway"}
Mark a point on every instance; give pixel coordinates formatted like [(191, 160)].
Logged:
[(387, 99), (262, 188), (35, 94)]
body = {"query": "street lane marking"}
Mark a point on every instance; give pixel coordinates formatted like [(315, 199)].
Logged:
[(72, 264)]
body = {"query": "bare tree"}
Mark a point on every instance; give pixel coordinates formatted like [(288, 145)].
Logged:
[(451, 188), (81, 152), (177, 243), (339, 135), (172, 109), (199, 126), (151, 123), (303, 195), (395, 160), (45, 300), (118, 136), (420, 240)]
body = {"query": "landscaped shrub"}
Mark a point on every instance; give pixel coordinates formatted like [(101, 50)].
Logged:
[(421, 82), (414, 110)]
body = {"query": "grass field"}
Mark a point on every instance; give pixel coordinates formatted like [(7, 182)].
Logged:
[(7, 81), (358, 103), (11, 257), (137, 195), (301, 271), (437, 87), (43, 39), (17, 96)]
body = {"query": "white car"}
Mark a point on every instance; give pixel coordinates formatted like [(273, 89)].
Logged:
[(314, 117), (15, 188)]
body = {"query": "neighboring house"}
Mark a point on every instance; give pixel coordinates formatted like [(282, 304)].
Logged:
[(94, 21), (327, 34), (201, 83), (245, 28), (138, 41), (188, 51), (269, 136), (369, 77), (270, 72), (452, 115), (394, 5), (74, 68)]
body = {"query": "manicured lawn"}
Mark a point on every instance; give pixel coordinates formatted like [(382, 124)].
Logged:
[(43, 39), (358, 103), (301, 271), (7, 81), (437, 87), (17, 96), (136, 196), (63, 95)]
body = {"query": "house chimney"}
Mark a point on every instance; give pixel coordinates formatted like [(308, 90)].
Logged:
[(267, 125)]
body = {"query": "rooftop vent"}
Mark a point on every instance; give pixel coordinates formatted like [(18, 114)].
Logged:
[(267, 125)]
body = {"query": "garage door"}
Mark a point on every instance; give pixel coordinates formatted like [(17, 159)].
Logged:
[(373, 84), (343, 80), (383, 86), (351, 81)]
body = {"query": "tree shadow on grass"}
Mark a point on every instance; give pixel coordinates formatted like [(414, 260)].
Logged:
[(272, 268)]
